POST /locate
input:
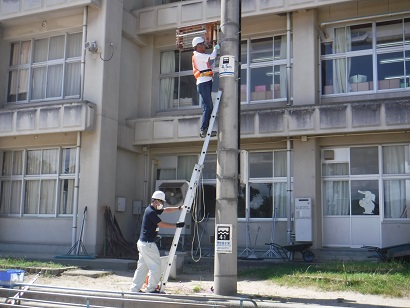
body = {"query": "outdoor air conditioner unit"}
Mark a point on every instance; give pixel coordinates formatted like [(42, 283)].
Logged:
[(175, 192)]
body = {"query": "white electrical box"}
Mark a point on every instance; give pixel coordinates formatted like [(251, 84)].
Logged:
[(120, 204), (303, 220), (137, 207), (226, 66)]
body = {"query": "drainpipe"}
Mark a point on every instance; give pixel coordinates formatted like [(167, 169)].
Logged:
[(76, 187), (289, 190), (288, 55), (288, 141), (77, 155), (85, 21)]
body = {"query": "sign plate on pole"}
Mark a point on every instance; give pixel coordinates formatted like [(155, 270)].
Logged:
[(223, 241)]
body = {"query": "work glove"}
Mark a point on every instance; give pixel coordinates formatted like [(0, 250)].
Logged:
[(216, 47), (180, 224)]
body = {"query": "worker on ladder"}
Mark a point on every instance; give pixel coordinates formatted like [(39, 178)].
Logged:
[(149, 257), (202, 70)]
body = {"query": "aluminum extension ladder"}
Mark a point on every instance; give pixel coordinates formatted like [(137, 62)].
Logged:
[(190, 196)]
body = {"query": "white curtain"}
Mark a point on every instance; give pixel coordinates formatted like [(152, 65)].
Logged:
[(341, 69), (283, 70), (47, 198), (39, 83), (166, 87), (32, 196), (280, 199), (395, 200), (185, 166), (336, 198), (49, 161)]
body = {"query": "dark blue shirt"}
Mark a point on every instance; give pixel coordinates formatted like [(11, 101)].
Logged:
[(150, 223)]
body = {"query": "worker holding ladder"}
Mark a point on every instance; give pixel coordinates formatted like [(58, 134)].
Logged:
[(149, 259)]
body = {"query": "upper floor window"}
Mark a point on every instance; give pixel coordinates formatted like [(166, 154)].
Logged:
[(177, 84), (368, 57), (46, 68), (263, 69)]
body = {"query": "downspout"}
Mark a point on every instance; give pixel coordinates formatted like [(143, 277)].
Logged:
[(288, 141), (77, 155)]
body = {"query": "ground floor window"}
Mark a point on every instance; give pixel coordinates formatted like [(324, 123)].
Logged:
[(372, 180), (37, 182)]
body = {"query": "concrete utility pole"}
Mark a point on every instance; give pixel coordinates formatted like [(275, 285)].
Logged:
[(225, 275)]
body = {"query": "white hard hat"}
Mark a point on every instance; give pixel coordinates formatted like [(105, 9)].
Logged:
[(197, 40), (158, 195)]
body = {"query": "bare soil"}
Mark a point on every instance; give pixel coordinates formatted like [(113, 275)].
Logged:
[(197, 278)]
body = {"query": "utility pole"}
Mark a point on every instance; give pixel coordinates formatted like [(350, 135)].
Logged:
[(226, 214)]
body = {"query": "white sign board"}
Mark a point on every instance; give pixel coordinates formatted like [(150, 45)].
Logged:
[(223, 239)]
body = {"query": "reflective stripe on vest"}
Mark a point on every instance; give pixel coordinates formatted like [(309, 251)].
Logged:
[(198, 73)]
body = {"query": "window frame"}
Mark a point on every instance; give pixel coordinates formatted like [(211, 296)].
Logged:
[(46, 64)]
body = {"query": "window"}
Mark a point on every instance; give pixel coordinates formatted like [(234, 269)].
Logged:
[(263, 69), (348, 58), (267, 185), (353, 183), (177, 84), (38, 182), (45, 69)]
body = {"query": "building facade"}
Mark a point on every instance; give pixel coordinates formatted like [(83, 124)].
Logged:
[(99, 108)]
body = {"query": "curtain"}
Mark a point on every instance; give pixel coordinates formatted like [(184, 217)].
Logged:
[(185, 166), (38, 83), (341, 67), (167, 174), (280, 199), (49, 161), (336, 198), (54, 80), (15, 197), (395, 200), (66, 197), (32, 196), (283, 70), (166, 87), (5, 197), (47, 197), (72, 79)]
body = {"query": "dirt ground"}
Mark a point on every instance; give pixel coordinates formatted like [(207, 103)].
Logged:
[(197, 278)]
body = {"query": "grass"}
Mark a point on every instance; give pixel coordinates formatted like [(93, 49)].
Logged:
[(387, 279), (22, 263)]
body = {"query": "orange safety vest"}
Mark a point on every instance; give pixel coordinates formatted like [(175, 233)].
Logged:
[(203, 73)]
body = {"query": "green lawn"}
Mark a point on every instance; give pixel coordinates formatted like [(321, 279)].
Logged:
[(388, 279)]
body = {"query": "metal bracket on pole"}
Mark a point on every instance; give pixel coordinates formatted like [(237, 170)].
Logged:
[(190, 196)]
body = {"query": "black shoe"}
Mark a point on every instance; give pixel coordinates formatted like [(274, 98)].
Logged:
[(202, 134), (155, 291)]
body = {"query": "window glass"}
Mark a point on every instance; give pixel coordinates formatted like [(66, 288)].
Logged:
[(41, 182), (261, 200), (40, 50), (74, 45), (364, 160), (185, 166), (242, 202), (396, 198), (351, 68), (396, 159), (49, 161), (280, 199), (47, 197), (335, 169), (209, 170), (365, 197), (360, 37), (56, 48), (207, 197), (33, 162), (51, 74), (389, 34), (66, 197), (280, 163), (336, 198), (261, 50), (280, 47), (261, 165), (244, 52)]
